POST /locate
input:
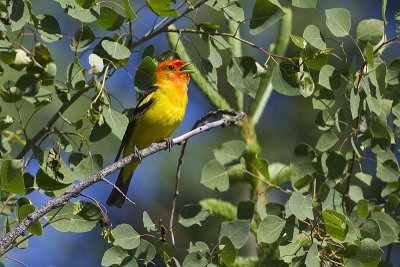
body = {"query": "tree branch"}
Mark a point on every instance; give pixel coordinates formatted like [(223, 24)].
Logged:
[(74, 192)]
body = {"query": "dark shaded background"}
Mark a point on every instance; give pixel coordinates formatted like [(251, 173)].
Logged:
[(285, 122)]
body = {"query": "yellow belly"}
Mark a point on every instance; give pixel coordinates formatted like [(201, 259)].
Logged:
[(156, 124)]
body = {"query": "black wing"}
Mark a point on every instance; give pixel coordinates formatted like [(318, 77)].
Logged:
[(140, 109)]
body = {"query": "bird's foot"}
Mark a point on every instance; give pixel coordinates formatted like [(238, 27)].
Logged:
[(136, 150), (169, 143)]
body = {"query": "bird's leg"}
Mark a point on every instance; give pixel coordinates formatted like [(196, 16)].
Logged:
[(169, 143), (136, 150)]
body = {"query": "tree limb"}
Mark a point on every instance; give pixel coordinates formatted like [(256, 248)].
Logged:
[(73, 192)]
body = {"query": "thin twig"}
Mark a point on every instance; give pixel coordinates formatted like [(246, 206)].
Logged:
[(75, 191), (212, 114)]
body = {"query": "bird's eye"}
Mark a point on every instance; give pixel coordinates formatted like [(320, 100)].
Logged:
[(171, 67)]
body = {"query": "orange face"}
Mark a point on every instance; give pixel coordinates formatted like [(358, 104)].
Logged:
[(172, 71)]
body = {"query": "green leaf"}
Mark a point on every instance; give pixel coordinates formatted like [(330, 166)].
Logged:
[(115, 49), (369, 252), (192, 214), (313, 58), (128, 261), (298, 41), (28, 85), (302, 160), (370, 229), (49, 186), (332, 199), (326, 141), (85, 3), (392, 203), (109, 19), (354, 103), (148, 223), (302, 183), (230, 152), (393, 72), (231, 9), (333, 165), (340, 120), (373, 105), (19, 14), (228, 253), (329, 77), (362, 208), (11, 177), (220, 208), (312, 35), (388, 226), (387, 169), (162, 248), (145, 251), (46, 156), (305, 83), (280, 173), (126, 237), (162, 8), (324, 120), (75, 77), (312, 258), (378, 78), (335, 224), (370, 30), (83, 38), (270, 229), (21, 60), (114, 255), (64, 220), (214, 176), (237, 231), (323, 99), (305, 4), (116, 121), (369, 54), (283, 79), (144, 74), (301, 206), (384, 3), (338, 21), (240, 73), (82, 14), (99, 132), (355, 193), (96, 64), (130, 15), (265, 14), (289, 251), (48, 28), (195, 259), (36, 227)]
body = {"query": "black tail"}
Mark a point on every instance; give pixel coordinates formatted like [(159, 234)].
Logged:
[(116, 198)]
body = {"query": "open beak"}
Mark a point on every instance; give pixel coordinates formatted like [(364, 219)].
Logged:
[(182, 68)]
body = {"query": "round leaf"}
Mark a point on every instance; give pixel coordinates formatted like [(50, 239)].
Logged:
[(270, 229), (126, 237), (312, 35), (338, 21), (214, 176)]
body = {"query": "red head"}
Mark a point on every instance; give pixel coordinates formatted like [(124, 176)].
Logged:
[(172, 72)]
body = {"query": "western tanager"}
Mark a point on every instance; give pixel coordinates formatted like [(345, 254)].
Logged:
[(158, 113)]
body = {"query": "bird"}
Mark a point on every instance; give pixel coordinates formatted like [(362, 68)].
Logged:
[(159, 111)]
